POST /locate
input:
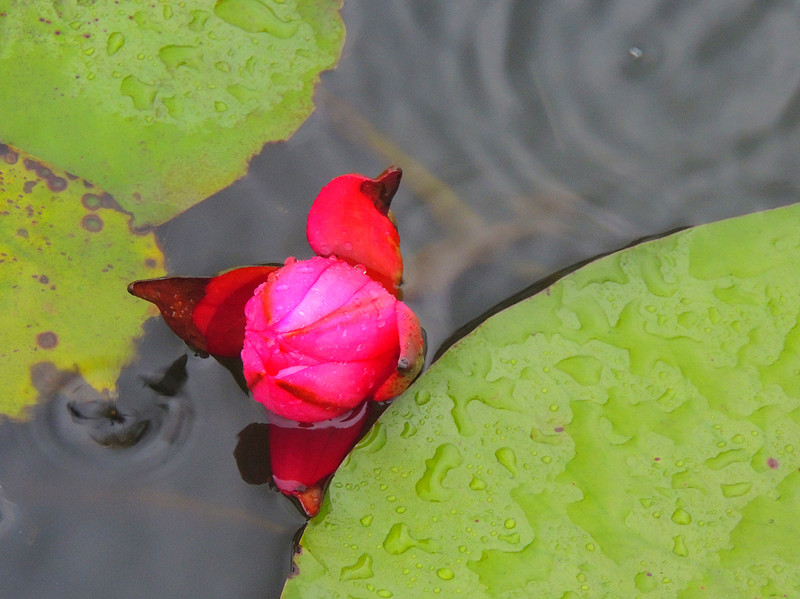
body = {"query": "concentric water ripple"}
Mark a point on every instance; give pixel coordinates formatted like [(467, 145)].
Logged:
[(138, 495), (78, 428)]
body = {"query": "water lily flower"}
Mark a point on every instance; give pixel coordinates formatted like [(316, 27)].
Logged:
[(317, 338), (322, 336)]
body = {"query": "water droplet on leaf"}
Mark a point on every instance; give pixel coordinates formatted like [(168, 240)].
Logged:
[(115, 41)]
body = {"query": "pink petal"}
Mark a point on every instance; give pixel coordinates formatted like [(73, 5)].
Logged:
[(288, 286), (342, 385), (334, 284), (349, 333), (288, 404)]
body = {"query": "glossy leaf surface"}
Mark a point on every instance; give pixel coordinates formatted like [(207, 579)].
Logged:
[(630, 431), (160, 103), (67, 254)]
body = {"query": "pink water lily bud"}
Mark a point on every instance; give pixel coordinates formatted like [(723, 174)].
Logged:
[(321, 337)]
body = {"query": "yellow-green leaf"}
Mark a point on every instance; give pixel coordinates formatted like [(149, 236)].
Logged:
[(66, 257)]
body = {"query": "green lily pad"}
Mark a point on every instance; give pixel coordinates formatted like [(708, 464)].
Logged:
[(633, 430), (160, 103), (66, 258)]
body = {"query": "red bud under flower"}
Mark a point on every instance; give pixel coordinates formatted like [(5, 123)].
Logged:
[(303, 456), (321, 337), (350, 220)]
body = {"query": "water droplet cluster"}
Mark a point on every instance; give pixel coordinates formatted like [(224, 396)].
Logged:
[(178, 62)]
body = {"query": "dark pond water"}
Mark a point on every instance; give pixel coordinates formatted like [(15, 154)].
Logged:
[(532, 135)]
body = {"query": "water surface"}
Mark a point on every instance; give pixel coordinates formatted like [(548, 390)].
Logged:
[(532, 135)]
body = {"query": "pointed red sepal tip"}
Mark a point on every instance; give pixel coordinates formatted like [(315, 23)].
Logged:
[(311, 499), (176, 298), (382, 188), (206, 312), (349, 219)]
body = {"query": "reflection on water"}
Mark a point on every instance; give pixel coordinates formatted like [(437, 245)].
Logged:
[(531, 134)]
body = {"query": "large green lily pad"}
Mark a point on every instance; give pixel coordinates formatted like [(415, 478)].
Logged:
[(160, 102), (634, 430), (66, 257)]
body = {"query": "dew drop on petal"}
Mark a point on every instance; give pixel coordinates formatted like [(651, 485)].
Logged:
[(361, 268)]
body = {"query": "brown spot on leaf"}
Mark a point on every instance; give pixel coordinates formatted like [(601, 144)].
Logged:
[(8, 154), (92, 223), (101, 199), (57, 183), (47, 340), (22, 233), (54, 182), (34, 166), (28, 186), (91, 201), (108, 201), (150, 263)]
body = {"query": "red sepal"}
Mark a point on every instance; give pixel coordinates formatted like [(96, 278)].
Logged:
[(350, 220), (413, 346), (176, 298), (206, 312), (304, 456), (220, 314)]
